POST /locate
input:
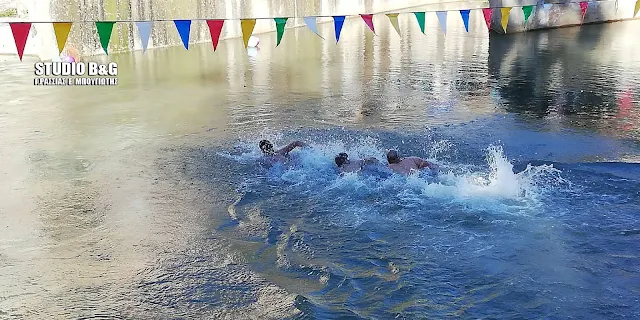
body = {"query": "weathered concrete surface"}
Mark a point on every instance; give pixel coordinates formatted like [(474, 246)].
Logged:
[(125, 36), (560, 14)]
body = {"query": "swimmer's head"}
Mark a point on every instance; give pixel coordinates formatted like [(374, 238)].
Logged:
[(266, 146), (393, 157), (341, 159)]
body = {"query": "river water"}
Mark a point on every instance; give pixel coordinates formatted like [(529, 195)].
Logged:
[(146, 200)]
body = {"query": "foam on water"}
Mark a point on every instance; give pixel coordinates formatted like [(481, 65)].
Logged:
[(492, 186)]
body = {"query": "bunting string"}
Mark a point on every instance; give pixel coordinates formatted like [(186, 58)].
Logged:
[(20, 30)]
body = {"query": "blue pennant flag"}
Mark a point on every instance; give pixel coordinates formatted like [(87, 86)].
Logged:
[(338, 22), (184, 28), (144, 29), (465, 18)]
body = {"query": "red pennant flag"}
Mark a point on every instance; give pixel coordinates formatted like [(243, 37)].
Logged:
[(215, 28), (487, 12), (368, 19), (583, 8), (20, 32)]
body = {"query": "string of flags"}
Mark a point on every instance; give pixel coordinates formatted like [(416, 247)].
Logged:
[(20, 30)]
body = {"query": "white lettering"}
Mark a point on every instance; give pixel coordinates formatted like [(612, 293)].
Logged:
[(113, 69), (39, 66), (93, 69), (56, 69), (62, 68), (81, 68), (66, 68)]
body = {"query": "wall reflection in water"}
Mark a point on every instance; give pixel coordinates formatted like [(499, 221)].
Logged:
[(578, 77), (89, 212)]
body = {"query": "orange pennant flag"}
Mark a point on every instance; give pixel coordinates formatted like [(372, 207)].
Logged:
[(247, 29), (20, 32), (61, 30)]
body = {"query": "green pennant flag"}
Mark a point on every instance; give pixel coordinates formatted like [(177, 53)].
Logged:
[(280, 23), (420, 16), (527, 12), (104, 32)]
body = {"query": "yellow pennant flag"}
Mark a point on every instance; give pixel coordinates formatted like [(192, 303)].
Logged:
[(247, 29), (393, 17), (505, 17), (61, 30), (635, 11)]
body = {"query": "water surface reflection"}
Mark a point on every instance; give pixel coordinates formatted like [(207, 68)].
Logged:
[(102, 214)]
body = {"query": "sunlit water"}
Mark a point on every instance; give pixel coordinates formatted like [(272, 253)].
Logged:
[(149, 200)]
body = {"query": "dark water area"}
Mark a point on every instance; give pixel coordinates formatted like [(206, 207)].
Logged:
[(149, 201)]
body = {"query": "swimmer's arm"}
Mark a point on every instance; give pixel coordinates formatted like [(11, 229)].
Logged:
[(291, 146), (421, 163), (371, 160)]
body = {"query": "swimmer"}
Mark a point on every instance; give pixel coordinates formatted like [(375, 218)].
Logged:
[(279, 155), (407, 165), (345, 165)]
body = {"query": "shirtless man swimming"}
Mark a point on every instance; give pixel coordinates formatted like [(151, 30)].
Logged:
[(407, 165), (345, 165), (280, 155)]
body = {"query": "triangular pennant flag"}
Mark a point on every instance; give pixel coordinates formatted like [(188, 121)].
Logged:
[(465, 18), (527, 12), (312, 24), (442, 18), (215, 28), (505, 18), (247, 30), (544, 19), (20, 32), (487, 12), (338, 21), (61, 29), (583, 8), (368, 19), (421, 17), (393, 18), (635, 11), (104, 32), (184, 29), (144, 29), (280, 24)]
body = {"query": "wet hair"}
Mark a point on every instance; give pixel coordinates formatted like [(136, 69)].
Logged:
[(265, 145), (341, 158), (392, 156)]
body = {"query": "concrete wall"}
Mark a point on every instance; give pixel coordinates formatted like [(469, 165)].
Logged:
[(559, 15), (125, 36)]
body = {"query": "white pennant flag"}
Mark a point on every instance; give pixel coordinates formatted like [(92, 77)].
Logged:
[(312, 25), (442, 18), (144, 29)]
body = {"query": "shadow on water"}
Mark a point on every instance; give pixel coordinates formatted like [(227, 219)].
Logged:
[(582, 77)]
